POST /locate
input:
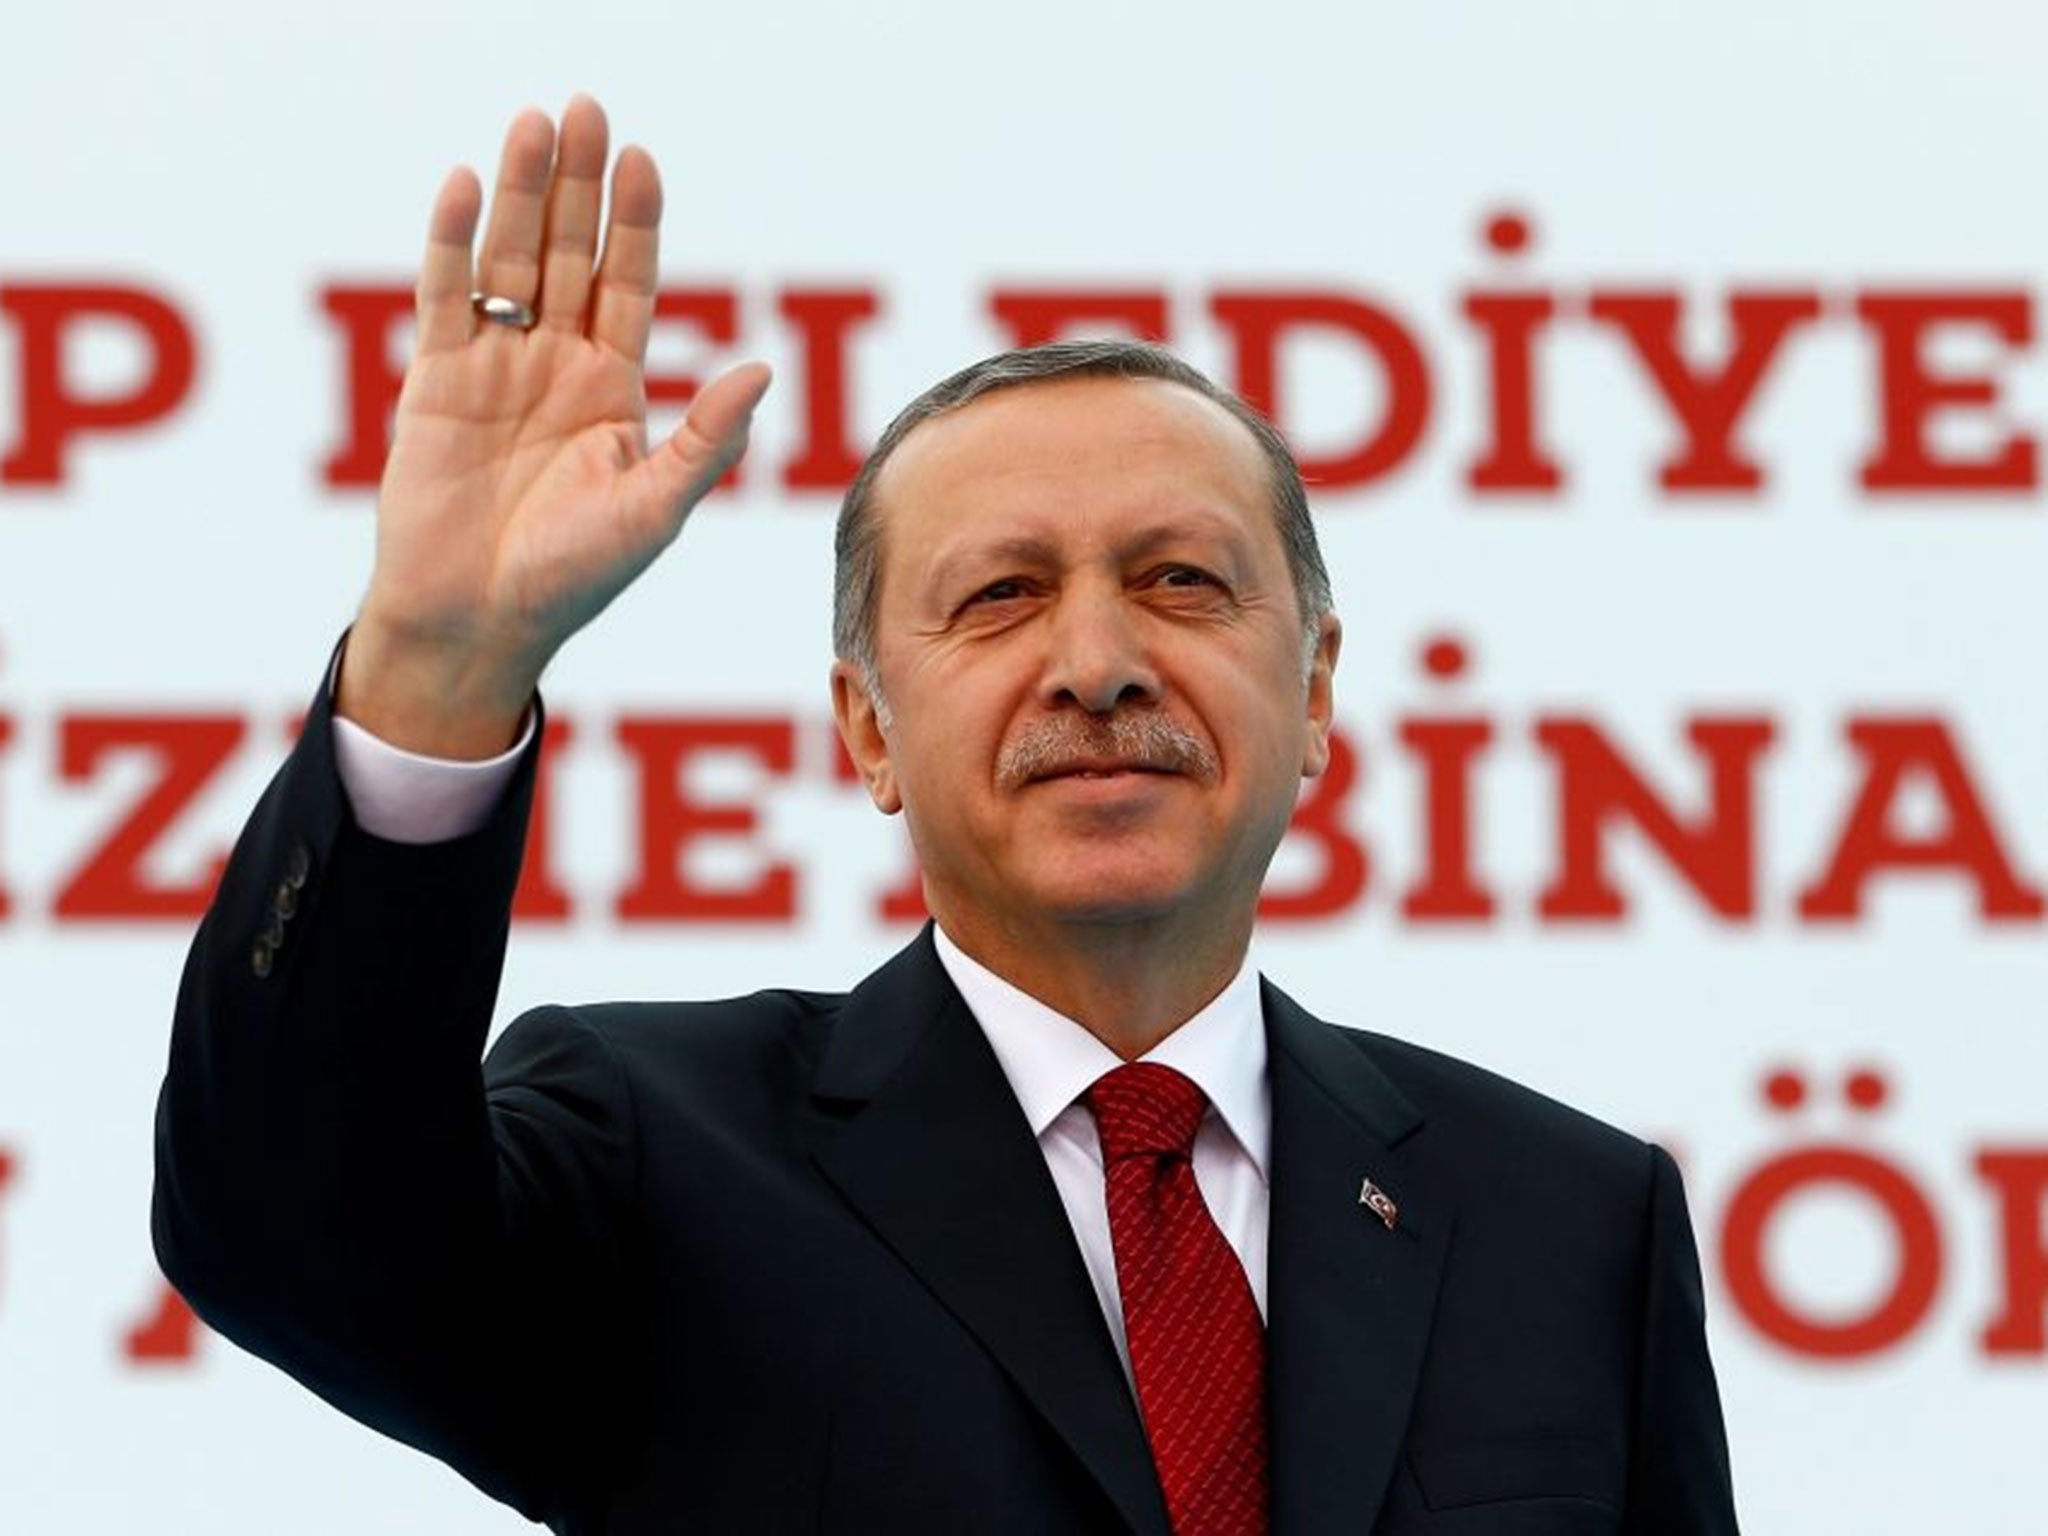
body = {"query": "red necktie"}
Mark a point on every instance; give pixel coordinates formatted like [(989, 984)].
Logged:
[(1198, 1345)]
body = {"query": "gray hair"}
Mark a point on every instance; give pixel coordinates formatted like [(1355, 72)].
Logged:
[(857, 548)]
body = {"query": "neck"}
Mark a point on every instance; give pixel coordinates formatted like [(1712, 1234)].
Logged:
[(1128, 984)]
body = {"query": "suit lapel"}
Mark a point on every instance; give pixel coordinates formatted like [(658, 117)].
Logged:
[(1350, 1299), (919, 1130)]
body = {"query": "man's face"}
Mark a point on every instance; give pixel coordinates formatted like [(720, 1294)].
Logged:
[(1091, 653)]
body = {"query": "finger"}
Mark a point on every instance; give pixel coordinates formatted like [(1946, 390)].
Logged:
[(509, 264), (624, 307), (441, 298), (569, 250), (682, 471)]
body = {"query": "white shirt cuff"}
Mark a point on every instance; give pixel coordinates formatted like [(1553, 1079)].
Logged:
[(403, 797)]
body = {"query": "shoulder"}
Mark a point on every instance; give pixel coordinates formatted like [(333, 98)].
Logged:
[(1479, 1119), (723, 1083), (750, 1060), (739, 1030), (717, 1051)]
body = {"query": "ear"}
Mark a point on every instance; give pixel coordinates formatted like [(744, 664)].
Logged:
[(1322, 699), (860, 727)]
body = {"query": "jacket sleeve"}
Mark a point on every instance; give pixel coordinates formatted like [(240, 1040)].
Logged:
[(335, 1189), (1679, 1482)]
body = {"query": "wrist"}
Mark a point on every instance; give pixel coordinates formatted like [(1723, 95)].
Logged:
[(433, 698)]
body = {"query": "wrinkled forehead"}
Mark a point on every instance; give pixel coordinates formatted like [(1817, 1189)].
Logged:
[(1072, 458)]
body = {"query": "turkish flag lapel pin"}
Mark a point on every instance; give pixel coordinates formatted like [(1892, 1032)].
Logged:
[(1379, 1202)]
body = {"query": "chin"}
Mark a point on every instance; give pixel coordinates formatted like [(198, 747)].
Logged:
[(1118, 893)]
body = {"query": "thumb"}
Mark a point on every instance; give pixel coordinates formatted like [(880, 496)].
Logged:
[(710, 439)]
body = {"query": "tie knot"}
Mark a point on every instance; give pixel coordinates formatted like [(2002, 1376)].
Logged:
[(1145, 1110)]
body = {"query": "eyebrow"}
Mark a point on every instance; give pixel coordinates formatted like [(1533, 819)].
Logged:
[(1017, 549)]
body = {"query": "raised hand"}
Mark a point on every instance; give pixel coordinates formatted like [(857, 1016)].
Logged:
[(520, 496)]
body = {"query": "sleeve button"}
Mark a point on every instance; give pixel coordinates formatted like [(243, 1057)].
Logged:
[(261, 956)]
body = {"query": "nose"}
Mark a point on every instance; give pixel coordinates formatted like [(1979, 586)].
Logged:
[(1096, 655)]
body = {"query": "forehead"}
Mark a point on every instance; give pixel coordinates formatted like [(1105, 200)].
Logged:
[(1072, 458)]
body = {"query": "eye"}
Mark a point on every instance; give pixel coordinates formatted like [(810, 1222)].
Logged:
[(1186, 576), (999, 591), (999, 595)]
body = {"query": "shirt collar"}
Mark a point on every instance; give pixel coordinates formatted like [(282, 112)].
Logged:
[(1051, 1060)]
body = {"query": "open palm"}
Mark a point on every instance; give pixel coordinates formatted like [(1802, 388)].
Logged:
[(520, 496)]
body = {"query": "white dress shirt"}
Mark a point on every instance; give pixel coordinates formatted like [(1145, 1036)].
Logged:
[(403, 797), (1049, 1059)]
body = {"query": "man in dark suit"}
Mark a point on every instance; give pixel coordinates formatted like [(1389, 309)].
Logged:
[(1063, 1220)]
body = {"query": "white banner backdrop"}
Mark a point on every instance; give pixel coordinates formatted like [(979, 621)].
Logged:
[(1671, 382)]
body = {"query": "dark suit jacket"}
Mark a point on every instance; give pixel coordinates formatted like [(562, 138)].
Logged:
[(793, 1262)]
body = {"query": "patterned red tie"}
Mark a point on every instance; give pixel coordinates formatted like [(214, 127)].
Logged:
[(1198, 1345)]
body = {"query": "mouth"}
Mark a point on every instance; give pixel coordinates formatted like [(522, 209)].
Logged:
[(1099, 770)]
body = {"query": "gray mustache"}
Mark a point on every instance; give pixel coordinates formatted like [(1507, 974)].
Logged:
[(1134, 740)]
